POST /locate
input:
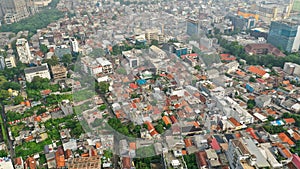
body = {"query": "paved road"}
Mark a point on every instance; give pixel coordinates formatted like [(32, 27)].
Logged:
[(10, 142)]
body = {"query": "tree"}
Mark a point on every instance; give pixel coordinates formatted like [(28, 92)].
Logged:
[(3, 153), (154, 42), (270, 118), (252, 79), (3, 94), (102, 107), (197, 67), (44, 48), (121, 71), (53, 61), (10, 85), (103, 87), (67, 59), (97, 52), (250, 104), (2, 80), (18, 99), (159, 128)]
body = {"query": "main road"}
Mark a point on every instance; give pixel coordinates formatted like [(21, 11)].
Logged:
[(9, 141)]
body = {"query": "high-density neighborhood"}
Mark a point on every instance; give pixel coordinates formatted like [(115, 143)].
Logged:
[(161, 84)]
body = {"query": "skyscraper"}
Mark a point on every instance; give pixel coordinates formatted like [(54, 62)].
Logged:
[(285, 35), (15, 10), (192, 27)]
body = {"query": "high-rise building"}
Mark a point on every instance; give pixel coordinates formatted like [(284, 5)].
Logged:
[(2, 63), (10, 61), (14, 10), (285, 35), (23, 50), (192, 27), (74, 45)]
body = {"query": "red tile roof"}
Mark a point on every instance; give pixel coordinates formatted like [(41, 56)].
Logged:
[(234, 121), (166, 120), (284, 138), (126, 163), (31, 163), (173, 119), (201, 158), (133, 86), (215, 145), (227, 57), (289, 120), (256, 70), (132, 145), (263, 49), (150, 126), (188, 142), (60, 157)]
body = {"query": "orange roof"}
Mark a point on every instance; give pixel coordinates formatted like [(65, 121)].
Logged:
[(38, 118), (60, 158), (296, 136), (29, 138), (46, 92), (153, 133), (31, 162), (240, 73), (289, 120), (84, 155), (166, 120), (98, 145), (234, 121), (188, 142), (132, 145), (238, 135), (149, 125), (196, 124), (256, 70), (270, 111), (183, 152), (285, 151), (286, 82), (133, 86), (284, 138)]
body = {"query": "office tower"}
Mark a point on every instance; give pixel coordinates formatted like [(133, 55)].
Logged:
[(285, 35), (23, 50), (14, 10), (192, 27)]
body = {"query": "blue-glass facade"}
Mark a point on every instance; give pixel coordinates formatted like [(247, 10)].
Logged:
[(181, 51), (283, 36), (192, 28)]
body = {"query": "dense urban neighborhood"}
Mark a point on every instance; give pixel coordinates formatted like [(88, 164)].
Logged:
[(161, 84)]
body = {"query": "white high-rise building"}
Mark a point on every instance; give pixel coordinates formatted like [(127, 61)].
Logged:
[(10, 62), (23, 50), (74, 45)]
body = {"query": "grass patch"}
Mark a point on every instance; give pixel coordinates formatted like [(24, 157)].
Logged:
[(296, 6)]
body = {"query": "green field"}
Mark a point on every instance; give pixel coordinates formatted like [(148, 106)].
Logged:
[(296, 6)]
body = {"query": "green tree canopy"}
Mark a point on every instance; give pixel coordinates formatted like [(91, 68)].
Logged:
[(67, 59), (44, 48), (103, 87)]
